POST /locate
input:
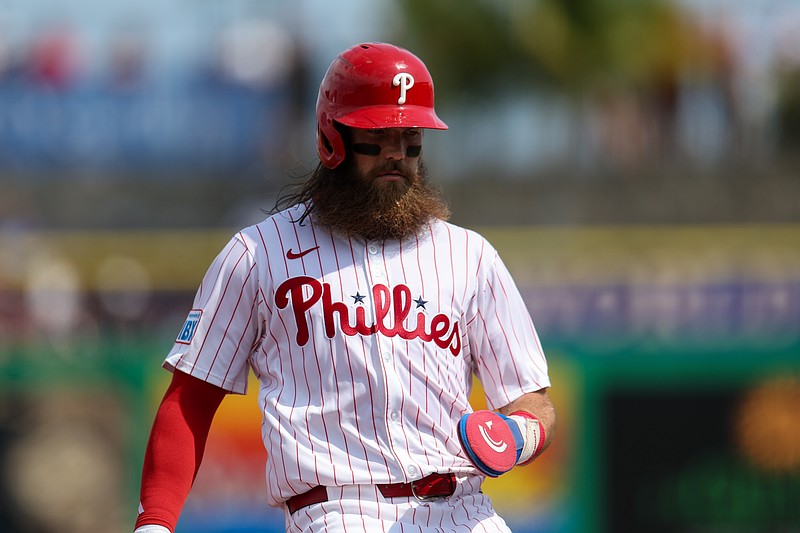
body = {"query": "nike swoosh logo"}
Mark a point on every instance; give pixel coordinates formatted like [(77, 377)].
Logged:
[(291, 254), (498, 446)]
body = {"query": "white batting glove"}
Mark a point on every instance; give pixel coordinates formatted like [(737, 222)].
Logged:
[(533, 435), (152, 529)]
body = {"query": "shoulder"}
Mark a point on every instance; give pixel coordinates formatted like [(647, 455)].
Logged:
[(465, 237), (274, 229)]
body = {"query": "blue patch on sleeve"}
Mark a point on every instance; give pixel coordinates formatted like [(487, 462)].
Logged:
[(189, 327)]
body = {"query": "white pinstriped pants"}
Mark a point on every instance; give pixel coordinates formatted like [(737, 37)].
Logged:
[(363, 509)]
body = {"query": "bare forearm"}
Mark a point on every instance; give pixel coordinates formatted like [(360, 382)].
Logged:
[(539, 405)]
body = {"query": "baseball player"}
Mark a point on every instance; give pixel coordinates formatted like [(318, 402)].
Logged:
[(365, 316)]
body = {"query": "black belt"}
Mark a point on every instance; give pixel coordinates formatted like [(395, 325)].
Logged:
[(430, 487)]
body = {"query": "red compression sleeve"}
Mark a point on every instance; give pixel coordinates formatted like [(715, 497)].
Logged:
[(175, 448)]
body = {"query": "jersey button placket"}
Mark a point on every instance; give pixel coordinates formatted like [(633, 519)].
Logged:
[(394, 395), (377, 271)]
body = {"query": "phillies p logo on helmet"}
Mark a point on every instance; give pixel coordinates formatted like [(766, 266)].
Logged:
[(405, 81)]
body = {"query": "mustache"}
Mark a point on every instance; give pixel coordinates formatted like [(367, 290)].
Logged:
[(393, 167)]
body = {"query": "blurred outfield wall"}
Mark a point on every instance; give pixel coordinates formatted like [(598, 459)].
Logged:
[(674, 353)]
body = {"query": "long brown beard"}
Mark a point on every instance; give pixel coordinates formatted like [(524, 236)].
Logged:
[(377, 211)]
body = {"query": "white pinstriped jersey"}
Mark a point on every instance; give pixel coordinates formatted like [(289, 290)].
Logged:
[(364, 351)]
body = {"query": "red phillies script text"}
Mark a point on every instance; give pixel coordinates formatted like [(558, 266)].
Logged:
[(394, 302)]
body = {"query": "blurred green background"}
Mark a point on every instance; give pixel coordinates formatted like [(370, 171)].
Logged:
[(635, 163)]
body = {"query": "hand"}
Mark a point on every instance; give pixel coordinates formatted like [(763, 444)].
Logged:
[(152, 529), (492, 441)]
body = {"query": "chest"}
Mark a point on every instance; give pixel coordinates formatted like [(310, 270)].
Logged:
[(414, 291)]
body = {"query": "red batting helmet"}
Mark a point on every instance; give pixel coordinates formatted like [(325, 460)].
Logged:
[(372, 85)]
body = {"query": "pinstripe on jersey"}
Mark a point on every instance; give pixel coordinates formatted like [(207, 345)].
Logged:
[(364, 351)]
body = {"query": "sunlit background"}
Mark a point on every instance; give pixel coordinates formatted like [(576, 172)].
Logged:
[(636, 163)]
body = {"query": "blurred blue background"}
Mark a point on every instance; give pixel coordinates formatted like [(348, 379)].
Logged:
[(635, 163)]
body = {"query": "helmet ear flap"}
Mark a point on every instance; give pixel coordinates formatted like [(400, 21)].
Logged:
[(330, 143)]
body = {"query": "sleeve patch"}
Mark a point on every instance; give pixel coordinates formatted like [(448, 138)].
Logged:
[(189, 327)]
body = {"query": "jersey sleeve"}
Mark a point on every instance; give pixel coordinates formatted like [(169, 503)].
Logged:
[(509, 359), (221, 330)]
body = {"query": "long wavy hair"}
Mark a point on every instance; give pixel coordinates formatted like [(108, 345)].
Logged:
[(303, 192)]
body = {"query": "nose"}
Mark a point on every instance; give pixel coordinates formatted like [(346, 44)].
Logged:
[(394, 147)]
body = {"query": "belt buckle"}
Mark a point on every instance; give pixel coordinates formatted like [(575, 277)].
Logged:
[(427, 497)]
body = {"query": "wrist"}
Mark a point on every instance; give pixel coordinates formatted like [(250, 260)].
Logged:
[(151, 529), (533, 435)]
